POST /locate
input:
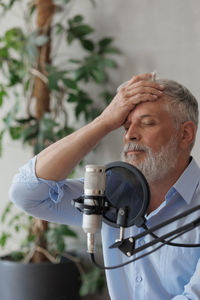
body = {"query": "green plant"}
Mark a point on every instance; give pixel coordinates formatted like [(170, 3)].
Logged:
[(40, 87), (46, 86)]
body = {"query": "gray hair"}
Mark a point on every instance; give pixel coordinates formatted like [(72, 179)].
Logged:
[(183, 105)]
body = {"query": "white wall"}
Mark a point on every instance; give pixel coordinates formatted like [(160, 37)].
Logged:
[(152, 35)]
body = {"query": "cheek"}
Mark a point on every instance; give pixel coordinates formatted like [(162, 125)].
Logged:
[(158, 139)]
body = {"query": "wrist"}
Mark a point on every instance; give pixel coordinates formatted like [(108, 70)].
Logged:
[(105, 125)]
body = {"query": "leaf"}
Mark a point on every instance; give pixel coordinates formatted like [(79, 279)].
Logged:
[(3, 239), (72, 98), (27, 85), (16, 71), (75, 61), (1, 138), (15, 132), (107, 96), (17, 255), (88, 45), (8, 119), (30, 47), (70, 37), (59, 28), (60, 245), (105, 42), (32, 9), (66, 231), (6, 211), (4, 53), (105, 46), (17, 227), (93, 113), (15, 218), (41, 40), (111, 50), (92, 281), (14, 38), (64, 131), (2, 95), (70, 83), (108, 62), (47, 123), (53, 79), (31, 237), (82, 73), (82, 30), (99, 75), (30, 132), (38, 147), (11, 3), (78, 19)]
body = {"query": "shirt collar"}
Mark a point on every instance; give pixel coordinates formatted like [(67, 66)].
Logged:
[(187, 182)]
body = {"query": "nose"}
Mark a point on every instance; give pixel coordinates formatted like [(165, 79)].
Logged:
[(132, 134)]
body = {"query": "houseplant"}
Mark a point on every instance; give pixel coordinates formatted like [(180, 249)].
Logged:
[(16, 270), (43, 89)]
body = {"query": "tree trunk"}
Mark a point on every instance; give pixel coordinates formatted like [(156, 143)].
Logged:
[(45, 12)]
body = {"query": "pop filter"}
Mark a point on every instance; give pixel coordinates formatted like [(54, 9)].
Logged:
[(127, 189)]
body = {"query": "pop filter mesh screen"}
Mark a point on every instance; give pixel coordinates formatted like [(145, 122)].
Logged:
[(125, 188)]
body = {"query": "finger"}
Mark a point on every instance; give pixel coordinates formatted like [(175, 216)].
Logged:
[(145, 76), (143, 90), (141, 98), (144, 83)]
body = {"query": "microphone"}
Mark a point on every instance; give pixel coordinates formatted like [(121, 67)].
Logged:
[(94, 191)]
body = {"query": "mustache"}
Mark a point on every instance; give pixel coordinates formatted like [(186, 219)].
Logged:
[(135, 146)]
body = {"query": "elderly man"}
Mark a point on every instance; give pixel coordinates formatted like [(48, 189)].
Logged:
[(160, 120)]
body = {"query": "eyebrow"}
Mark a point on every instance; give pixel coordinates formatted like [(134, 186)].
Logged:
[(146, 116)]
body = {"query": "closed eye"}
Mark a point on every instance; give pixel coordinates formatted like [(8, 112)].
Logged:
[(148, 123)]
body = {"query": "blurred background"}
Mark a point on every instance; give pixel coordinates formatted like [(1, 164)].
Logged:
[(162, 36)]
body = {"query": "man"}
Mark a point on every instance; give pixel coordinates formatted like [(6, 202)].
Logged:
[(160, 120)]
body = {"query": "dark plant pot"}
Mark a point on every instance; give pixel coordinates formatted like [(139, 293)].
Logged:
[(45, 281)]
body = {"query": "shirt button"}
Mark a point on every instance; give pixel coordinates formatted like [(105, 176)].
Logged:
[(142, 242), (139, 278)]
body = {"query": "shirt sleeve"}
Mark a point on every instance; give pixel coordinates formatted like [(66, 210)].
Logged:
[(192, 288), (46, 199)]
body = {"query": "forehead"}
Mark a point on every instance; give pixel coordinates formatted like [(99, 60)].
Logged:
[(158, 109)]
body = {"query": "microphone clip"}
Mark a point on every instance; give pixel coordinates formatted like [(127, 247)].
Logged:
[(99, 208)]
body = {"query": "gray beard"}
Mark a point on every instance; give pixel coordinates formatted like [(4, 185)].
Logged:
[(157, 165)]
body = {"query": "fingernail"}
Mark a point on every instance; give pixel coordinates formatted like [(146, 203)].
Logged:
[(162, 86)]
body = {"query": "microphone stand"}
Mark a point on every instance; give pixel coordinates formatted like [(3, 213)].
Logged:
[(127, 246)]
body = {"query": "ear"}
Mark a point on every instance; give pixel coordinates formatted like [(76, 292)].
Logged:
[(188, 133)]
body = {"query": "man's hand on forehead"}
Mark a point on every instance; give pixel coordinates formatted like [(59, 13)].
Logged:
[(142, 84), (139, 89), (147, 88)]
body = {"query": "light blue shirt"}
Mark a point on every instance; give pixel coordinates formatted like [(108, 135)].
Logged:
[(169, 273)]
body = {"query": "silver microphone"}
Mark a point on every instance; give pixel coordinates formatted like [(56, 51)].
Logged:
[(94, 190)]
